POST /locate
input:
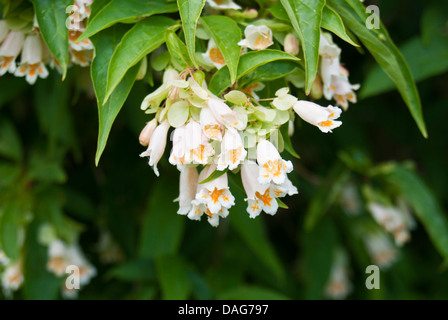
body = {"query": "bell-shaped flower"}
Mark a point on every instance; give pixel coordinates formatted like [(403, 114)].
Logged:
[(153, 100), (338, 285), (57, 260), (257, 37), (31, 65), (284, 101), (232, 150), (272, 166), (380, 248), (291, 44), (9, 50), (85, 44), (12, 277), (76, 257), (225, 115), (187, 188), (157, 145), (223, 4), (198, 148), (321, 117), (210, 126), (146, 133), (213, 55), (177, 157), (327, 48)]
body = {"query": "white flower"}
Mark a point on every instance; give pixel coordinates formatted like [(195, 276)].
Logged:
[(81, 58), (57, 260), (225, 115), (213, 55), (148, 130), (223, 4), (198, 148), (321, 117), (189, 179), (84, 8), (9, 50), (380, 248), (232, 150), (12, 277), (212, 198), (284, 101), (3, 30), (262, 197), (291, 45), (177, 157), (327, 48), (157, 145), (85, 44), (272, 166), (75, 257), (257, 37), (153, 100), (210, 126), (31, 64), (339, 286)]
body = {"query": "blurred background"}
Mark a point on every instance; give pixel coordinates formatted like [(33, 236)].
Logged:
[(126, 219)]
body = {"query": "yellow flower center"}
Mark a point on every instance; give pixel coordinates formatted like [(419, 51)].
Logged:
[(327, 123), (275, 167), (216, 56), (264, 197), (212, 131), (262, 42)]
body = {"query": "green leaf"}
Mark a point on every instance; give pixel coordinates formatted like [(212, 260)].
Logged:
[(425, 206), (306, 16), (142, 39), (178, 50), (10, 144), (129, 11), (10, 173), (248, 63), (252, 293), (226, 34), (268, 72), (287, 141), (318, 249), (45, 169), (51, 16), (333, 22), (424, 62), (9, 228), (326, 195), (162, 227), (135, 270), (385, 53), (190, 11), (254, 234), (173, 278)]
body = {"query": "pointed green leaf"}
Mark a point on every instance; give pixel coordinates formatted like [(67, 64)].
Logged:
[(248, 63), (125, 11), (226, 34), (173, 278), (51, 16), (9, 229), (306, 16), (178, 50), (333, 22), (190, 11), (385, 53), (142, 39)]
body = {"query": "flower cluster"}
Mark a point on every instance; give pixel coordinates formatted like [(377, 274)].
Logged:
[(234, 133), (27, 43)]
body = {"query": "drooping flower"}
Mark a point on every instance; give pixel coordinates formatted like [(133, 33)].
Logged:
[(157, 145), (31, 65), (57, 261), (257, 37), (338, 285), (327, 48), (212, 198), (76, 257), (232, 150), (12, 277), (223, 4), (321, 117), (198, 148), (146, 133), (213, 55), (225, 115), (380, 248), (177, 157), (189, 179), (272, 166), (9, 50), (210, 126)]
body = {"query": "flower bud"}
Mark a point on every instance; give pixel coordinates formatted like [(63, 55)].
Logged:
[(291, 45)]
